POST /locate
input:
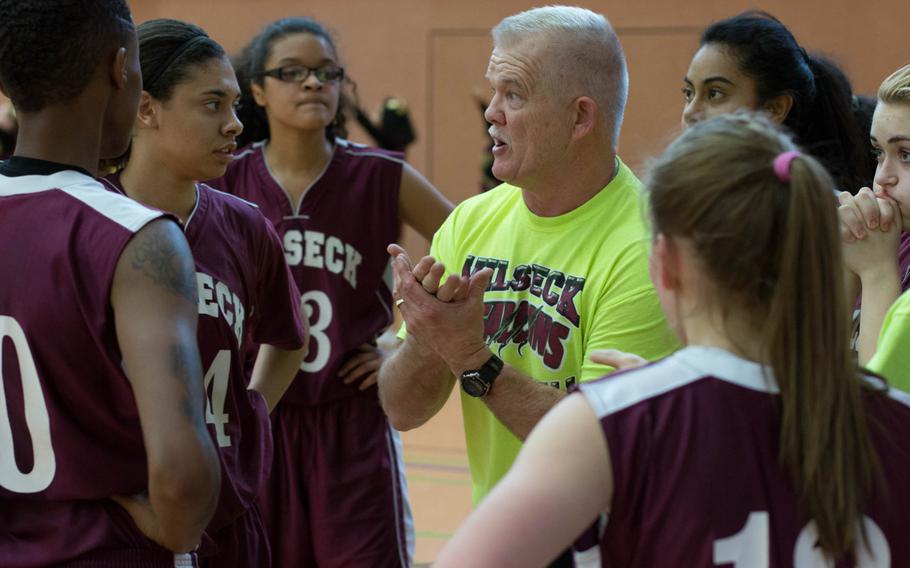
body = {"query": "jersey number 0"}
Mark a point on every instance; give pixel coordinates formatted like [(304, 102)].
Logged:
[(37, 420)]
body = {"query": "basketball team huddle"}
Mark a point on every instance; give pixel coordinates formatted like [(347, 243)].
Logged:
[(705, 369)]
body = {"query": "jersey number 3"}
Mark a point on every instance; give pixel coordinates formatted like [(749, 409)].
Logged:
[(37, 420), (317, 307), (750, 547)]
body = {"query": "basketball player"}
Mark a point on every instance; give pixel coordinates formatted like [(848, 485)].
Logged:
[(759, 444), (876, 222), (186, 131), (752, 61), (101, 381), (337, 495)]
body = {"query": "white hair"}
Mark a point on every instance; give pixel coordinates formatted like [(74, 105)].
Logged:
[(586, 53)]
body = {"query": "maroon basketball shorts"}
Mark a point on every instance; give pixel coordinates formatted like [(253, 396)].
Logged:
[(337, 496), (241, 544)]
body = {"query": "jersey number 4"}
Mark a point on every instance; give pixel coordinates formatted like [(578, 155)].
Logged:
[(216, 386), (750, 547), (37, 419)]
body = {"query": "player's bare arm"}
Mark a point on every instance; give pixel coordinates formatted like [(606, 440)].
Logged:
[(424, 208), (156, 257), (870, 232), (420, 204), (533, 498), (363, 366), (154, 303), (274, 370)]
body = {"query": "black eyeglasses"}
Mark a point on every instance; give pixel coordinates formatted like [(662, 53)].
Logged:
[(300, 73)]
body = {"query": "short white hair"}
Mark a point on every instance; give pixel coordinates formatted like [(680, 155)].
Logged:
[(586, 53)]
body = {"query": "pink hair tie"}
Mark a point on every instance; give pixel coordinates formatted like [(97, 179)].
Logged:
[(782, 165)]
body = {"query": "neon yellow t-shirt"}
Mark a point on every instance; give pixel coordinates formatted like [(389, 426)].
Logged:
[(892, 356), (562, 287)]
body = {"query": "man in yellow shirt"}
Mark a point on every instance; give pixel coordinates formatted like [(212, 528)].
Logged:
[(557, 255)]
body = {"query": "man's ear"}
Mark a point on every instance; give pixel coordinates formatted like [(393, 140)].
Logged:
[(585, 117)]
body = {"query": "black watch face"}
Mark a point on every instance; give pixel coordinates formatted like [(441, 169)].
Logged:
[(473, 385)]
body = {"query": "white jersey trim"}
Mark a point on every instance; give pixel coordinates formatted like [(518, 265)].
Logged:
[(401, 501), (678, 370), (185, 560), (685, 367), (899, 395), (115, 206), (356, 149), (250, 149), (231, 195)]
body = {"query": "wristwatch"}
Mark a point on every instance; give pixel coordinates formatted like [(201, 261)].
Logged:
[(479, 382)]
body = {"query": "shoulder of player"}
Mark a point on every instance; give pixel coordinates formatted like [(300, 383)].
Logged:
[(228, 201), (242, 161), (879, 385), (367, 152), (247, 151), (356, 156), (240, 217), (685, 368), (103, 199), (235, 211)]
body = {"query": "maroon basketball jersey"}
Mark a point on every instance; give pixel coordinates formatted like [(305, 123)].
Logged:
[(334, 241), (245, 295), (694, 446), (70, 435)]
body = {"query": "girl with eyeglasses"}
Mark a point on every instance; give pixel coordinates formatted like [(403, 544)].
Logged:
[(185, 131), (337, 496)]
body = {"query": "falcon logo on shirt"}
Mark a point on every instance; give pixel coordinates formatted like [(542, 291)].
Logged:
[(527, 323)]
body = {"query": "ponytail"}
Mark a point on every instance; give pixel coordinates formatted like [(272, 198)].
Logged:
[(824, 438), (765, 234), (829, 130)]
